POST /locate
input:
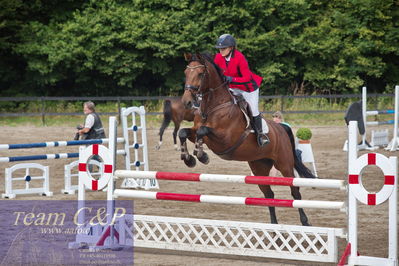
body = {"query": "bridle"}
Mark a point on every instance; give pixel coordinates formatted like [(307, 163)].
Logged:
[(192, 88), (196, 91)]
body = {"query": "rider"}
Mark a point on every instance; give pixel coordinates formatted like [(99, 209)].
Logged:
[(241, 80)]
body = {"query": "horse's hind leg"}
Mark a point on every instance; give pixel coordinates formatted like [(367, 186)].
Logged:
[(269, 194), (295, 194), (177, 126), (262, 168), (161, 131)]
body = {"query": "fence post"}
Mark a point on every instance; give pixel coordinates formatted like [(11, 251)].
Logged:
[(119, 110), (43, 111)]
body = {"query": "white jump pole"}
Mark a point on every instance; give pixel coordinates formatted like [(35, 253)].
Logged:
[(258, 180)]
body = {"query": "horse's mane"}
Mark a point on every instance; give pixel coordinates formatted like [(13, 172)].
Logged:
[(208, 57)]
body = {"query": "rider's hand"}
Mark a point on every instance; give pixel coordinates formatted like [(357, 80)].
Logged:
[(228, 79)]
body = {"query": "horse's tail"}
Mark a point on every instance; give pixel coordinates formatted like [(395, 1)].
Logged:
[(302, 170), (167, 117)]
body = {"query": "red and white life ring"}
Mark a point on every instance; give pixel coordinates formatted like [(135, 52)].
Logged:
[(355, 181), (85, 176)]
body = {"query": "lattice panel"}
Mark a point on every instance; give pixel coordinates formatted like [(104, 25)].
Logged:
[(236, 238)]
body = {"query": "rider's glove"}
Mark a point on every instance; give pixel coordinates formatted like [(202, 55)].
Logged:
[(228, 79)]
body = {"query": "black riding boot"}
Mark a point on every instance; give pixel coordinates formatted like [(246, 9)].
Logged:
[(261, 137)]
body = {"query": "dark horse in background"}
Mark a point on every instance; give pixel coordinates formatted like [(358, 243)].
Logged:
[(225, 129), (174, 110)]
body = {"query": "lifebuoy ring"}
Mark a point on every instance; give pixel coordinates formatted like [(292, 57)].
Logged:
[(355, 182), (85, 176)]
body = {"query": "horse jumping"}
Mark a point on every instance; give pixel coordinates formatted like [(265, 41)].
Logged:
[(225, 129), (174, 110)]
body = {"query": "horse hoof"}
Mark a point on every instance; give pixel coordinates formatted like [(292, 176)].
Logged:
[(190, 162), (204, 158), (157, 147)]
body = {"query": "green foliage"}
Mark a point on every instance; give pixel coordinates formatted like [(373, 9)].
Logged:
[(304, 133), (111, 47)]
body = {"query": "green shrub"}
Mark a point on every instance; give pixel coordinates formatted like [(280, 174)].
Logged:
[(304, 133)]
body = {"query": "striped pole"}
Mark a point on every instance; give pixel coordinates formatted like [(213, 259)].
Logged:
[(259, 180), (45, 157), (377, 123), (56, 144), (380, 112), (230, 200)]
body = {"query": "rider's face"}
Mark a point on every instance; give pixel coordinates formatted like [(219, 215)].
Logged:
[(225, 51)]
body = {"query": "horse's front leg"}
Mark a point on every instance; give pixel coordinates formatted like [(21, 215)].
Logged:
[(199, 149), (184, 134)]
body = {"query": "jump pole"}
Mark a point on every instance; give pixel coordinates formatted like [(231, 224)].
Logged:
[(258, 180), (136, 194), (60, 143)]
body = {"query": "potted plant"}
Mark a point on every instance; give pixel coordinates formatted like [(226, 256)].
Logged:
[(304, 135)]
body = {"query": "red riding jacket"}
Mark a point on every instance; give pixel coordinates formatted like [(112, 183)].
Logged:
[(238, 69)]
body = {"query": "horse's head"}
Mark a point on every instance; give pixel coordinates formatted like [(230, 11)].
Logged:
[(196, 79)]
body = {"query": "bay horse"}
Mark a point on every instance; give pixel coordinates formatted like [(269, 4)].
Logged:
[(225, 129), (174, 110)]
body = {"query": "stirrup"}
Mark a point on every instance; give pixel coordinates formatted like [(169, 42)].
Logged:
[(263, 139)]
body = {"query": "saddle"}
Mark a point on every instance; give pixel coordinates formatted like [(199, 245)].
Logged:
[(245, 109)]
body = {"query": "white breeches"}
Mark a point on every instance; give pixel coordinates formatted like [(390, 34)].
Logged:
[(252, 99)]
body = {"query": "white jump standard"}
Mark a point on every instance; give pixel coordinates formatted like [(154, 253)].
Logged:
[(380, 137), (43, 190)]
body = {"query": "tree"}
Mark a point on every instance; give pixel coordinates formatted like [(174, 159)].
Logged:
[(111, 47)]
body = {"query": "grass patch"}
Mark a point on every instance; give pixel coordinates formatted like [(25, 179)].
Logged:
[(154, 121), (306, 105)]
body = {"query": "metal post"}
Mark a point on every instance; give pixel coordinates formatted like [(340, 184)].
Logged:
[(42, 111)]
